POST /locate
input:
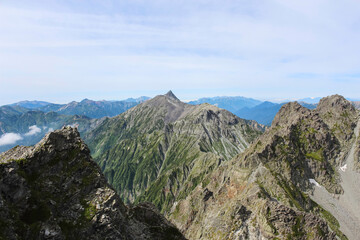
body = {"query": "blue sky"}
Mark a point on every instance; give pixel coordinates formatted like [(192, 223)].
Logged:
[(101, 49)]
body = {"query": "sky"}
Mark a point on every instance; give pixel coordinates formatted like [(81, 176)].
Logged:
[(62, 50)]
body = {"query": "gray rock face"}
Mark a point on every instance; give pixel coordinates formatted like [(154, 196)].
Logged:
[(55, 191), (266, 191)]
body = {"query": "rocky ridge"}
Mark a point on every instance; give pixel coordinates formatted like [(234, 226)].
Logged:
[(266, 192), (160, 150), (54, 190)]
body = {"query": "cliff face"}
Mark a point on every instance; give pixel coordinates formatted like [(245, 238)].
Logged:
[(54, 190), (269, 191)]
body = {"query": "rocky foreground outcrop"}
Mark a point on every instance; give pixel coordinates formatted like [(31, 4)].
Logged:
[(54, 190)]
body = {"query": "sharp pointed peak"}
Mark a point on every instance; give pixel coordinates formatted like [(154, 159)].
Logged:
[(171, 95)]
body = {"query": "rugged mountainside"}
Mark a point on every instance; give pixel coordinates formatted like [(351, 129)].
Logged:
[(160, 150), (54, 190), (267, 191)]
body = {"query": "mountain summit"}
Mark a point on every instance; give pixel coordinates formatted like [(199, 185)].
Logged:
[(171, 95), (160, 149)]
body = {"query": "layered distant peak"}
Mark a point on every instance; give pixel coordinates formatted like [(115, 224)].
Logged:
[(289, 113), (171, 95), (31, 104), (337, 102)]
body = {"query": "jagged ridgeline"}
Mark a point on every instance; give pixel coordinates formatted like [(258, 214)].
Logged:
[(160, 150), (287, 184), (54, 190)]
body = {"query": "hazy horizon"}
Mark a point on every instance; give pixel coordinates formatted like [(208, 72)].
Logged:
[(60, 51), (274, 100)]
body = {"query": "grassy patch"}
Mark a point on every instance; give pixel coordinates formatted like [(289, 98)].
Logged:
[(318, 155)]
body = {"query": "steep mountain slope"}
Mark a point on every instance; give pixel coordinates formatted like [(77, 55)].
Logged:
[(55, 191), (267, 191), (232, 104), (161, 149), (92, 109)]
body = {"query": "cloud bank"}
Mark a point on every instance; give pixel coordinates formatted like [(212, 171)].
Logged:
[(9, 138), (277, 48), (12, 138), (33, 130)]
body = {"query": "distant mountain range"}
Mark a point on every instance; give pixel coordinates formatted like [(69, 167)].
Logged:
[(212, 174), (21, 126), (17, 119), (89, 108), (31, 104), (26, 122), (252, 109), (232, 104)]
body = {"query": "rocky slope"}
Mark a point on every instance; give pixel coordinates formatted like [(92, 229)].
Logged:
[(54, 190), (160, 150), (267, 192)]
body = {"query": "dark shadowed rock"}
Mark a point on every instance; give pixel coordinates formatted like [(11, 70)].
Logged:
[(54, 190), (171, 95)]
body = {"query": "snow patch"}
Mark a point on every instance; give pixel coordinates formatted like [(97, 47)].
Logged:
[(343, 168), (313, 181)]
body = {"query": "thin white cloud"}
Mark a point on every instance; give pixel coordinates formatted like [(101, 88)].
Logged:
[(9, 138), (247, 45), (33, 130)]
